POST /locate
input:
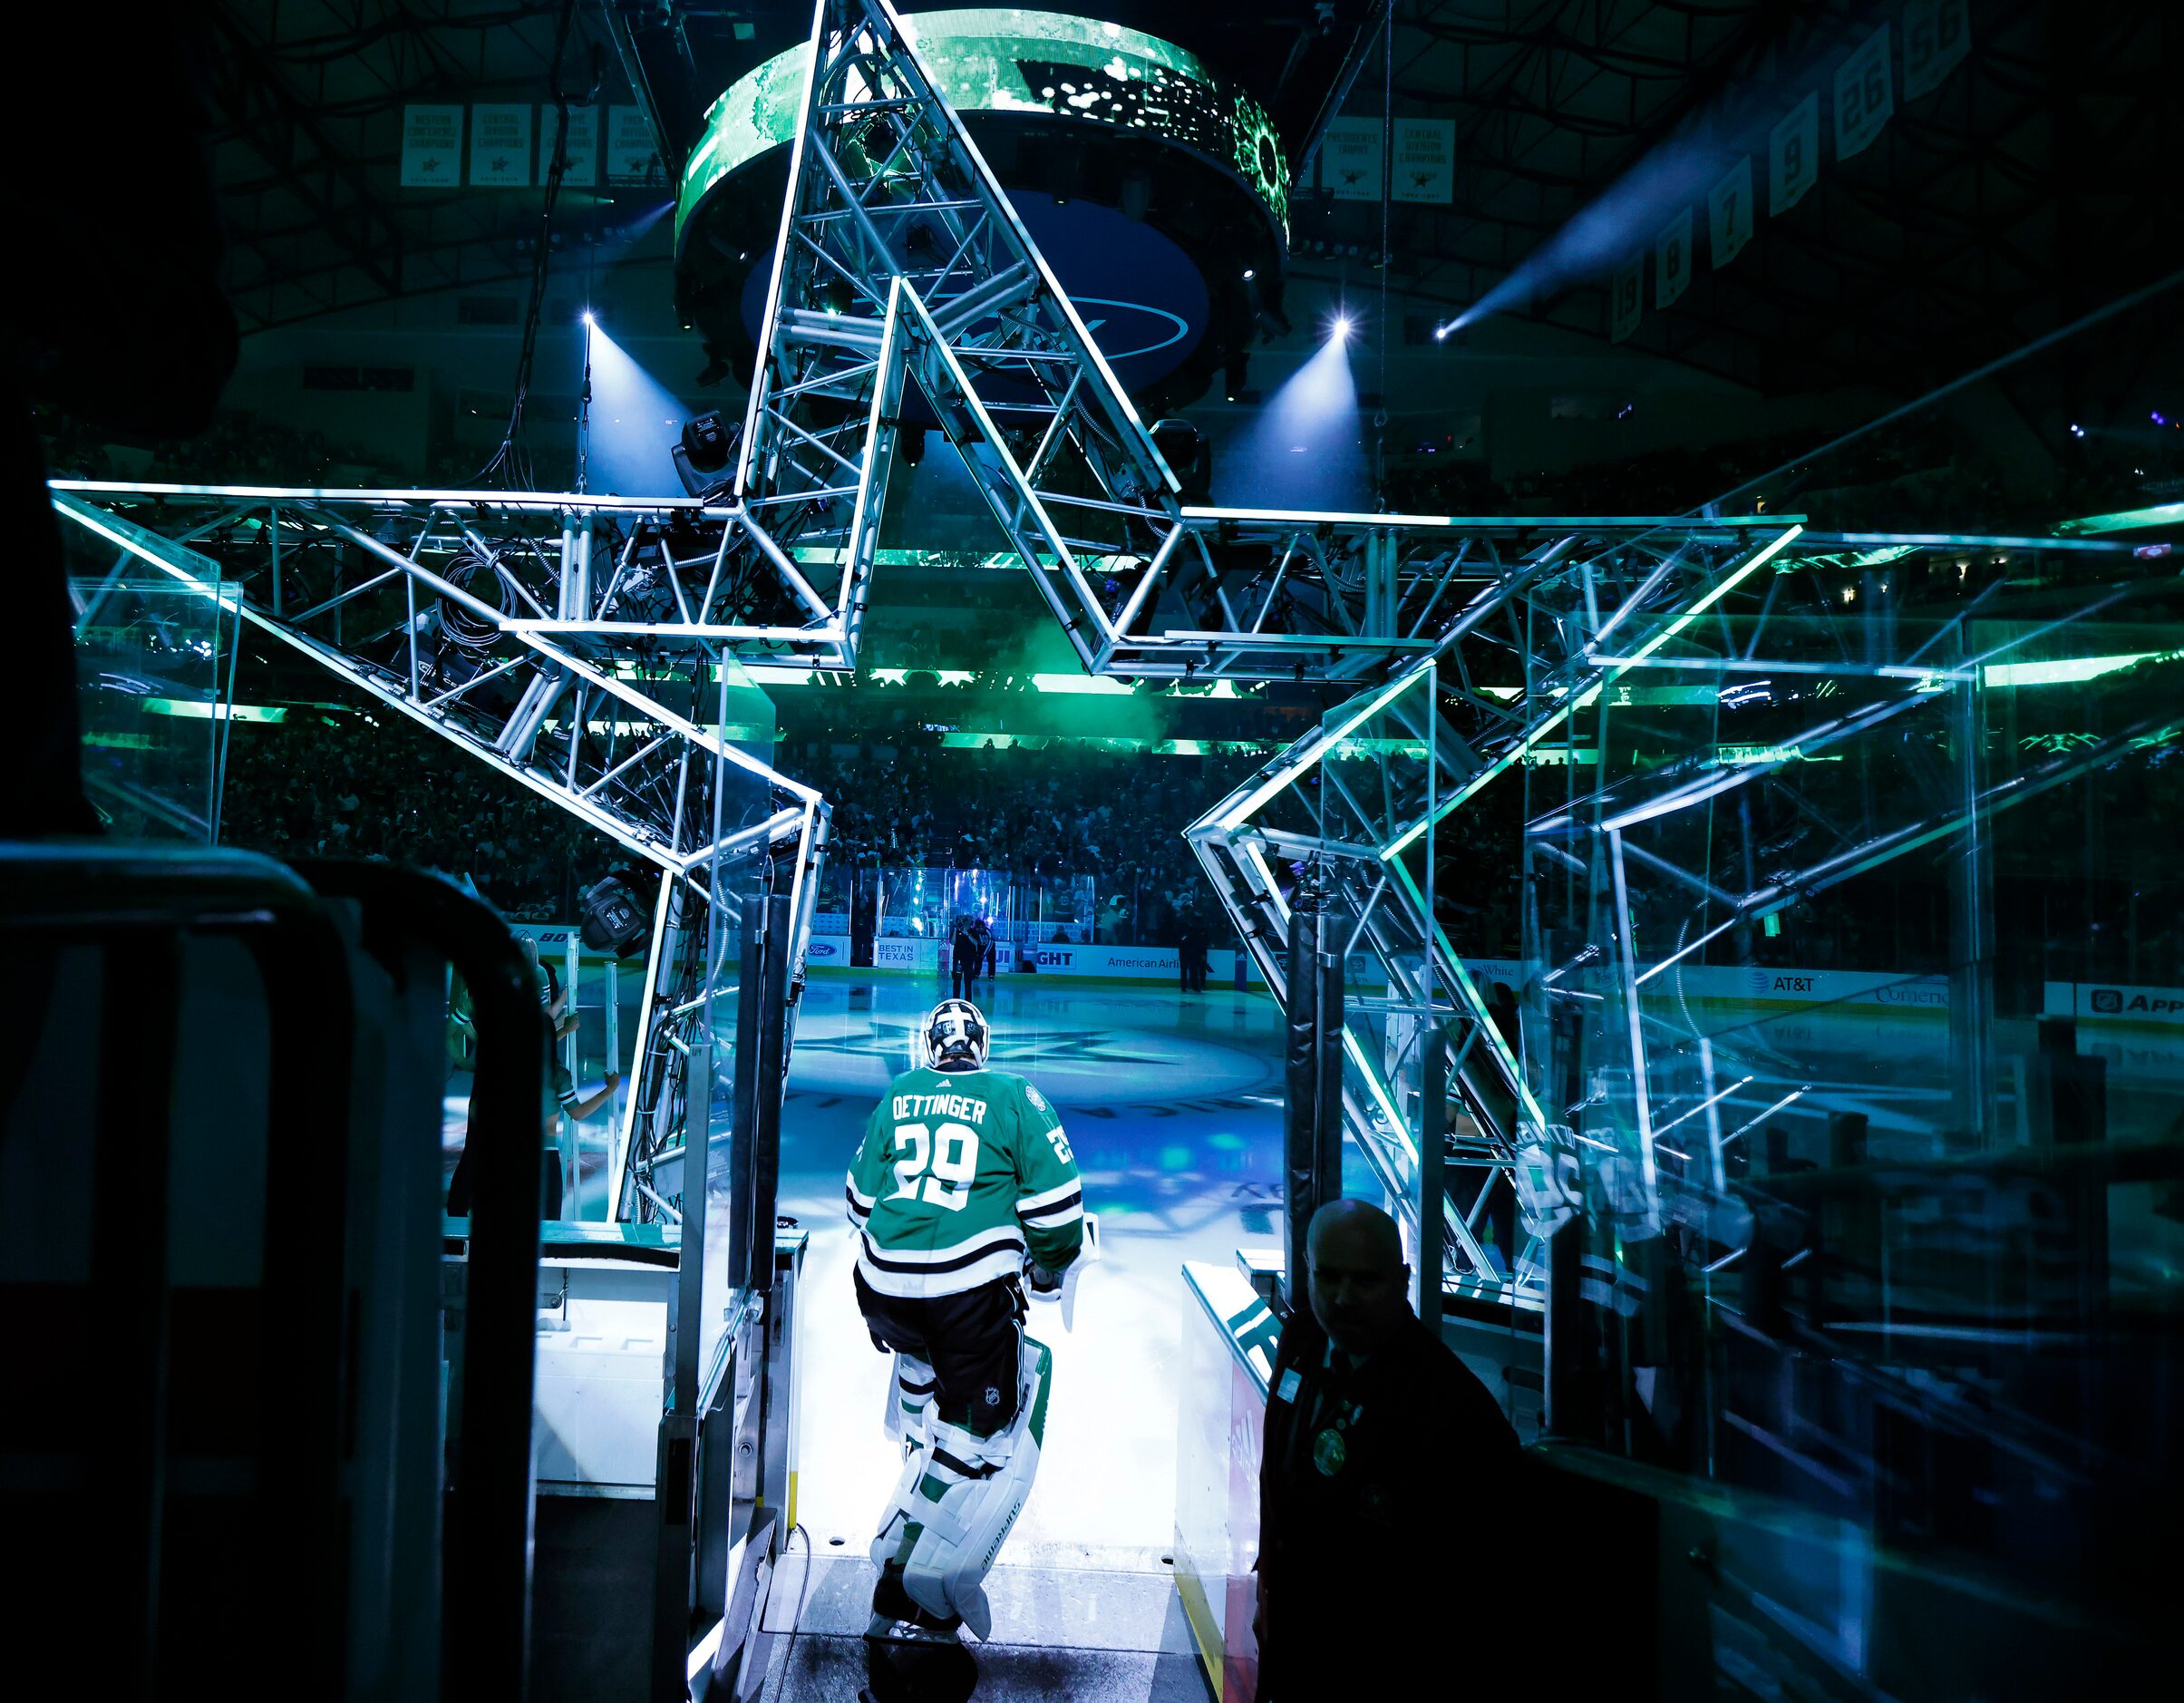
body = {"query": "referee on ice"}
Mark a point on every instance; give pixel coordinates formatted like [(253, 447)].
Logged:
[(1384, 1491)]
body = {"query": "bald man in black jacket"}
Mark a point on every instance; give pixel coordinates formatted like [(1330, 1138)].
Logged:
[(1386, 1489)]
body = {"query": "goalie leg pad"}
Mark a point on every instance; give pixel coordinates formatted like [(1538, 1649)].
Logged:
[(966, 1497)]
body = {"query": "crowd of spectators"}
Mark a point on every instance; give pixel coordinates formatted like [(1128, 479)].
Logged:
[(365, 785), (1051, 815), (360, 784)]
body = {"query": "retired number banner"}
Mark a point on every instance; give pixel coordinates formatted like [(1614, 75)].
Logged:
[(1864, 96)]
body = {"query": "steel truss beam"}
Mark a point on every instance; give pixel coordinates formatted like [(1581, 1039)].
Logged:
[(1557, 627), (572, 642), (538, 633), (906, 290), (1525, 619)]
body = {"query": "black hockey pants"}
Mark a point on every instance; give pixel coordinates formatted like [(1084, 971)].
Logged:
[(970, 1340)]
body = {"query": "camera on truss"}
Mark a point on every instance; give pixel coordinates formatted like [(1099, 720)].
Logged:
[(704, 459), (612, 918)]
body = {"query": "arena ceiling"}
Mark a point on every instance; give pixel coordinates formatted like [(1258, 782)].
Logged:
[(2028, 187)]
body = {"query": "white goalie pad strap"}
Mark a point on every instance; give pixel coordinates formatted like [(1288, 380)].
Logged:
[(968, 1497), (905, 1506), (959, 1457), (910, 1400)]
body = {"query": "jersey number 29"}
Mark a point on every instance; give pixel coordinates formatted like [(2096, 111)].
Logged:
[(953, 1160)]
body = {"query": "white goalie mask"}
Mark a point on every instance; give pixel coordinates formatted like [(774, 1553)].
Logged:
[(955, 1037)]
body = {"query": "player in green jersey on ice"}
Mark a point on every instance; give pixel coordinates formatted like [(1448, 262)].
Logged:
[(963, 1192)]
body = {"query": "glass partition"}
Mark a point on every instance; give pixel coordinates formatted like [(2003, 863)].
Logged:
[(859, 903), (912, 904), (742, 799), (1056, 909), (1374, 780), (843, 894), (1855, 1007), (1043, 909), (927, 904), (155, 661)]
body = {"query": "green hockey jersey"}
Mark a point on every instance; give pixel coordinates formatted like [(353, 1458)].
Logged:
[(959, 1173)]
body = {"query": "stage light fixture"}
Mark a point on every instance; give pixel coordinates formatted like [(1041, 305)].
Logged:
[(589, 321), (612, 921), (1342, 328), (703, 459)]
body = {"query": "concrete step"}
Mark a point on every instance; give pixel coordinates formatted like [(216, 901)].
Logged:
[(1039, 1605), (817, 1668)]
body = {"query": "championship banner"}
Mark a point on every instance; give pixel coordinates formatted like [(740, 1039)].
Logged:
[(1425, 160), (1627, 299), (1729, 213), (1672, 261), (632, 159), (501, 147), (1794, 157), (580, 170), (1349, 158), (1864, 96), (431, 147), (1937, 34)]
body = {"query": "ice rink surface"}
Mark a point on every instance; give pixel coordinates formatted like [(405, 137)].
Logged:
[(1173, 1105)]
